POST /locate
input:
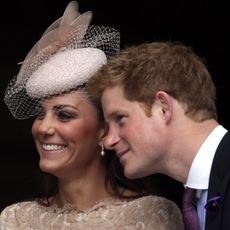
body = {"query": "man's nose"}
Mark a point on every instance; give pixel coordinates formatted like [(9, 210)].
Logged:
[(111, 139)]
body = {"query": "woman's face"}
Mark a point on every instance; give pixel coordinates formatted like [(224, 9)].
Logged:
[(67, 134)]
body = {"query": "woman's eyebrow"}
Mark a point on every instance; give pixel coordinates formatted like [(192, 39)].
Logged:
[(63, 106)]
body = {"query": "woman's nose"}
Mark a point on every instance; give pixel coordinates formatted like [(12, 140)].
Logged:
[(47, 126)]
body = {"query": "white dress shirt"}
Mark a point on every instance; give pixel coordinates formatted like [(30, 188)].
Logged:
[(199, 172)]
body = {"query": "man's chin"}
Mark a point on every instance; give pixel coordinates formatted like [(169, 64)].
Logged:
[(134, 174)]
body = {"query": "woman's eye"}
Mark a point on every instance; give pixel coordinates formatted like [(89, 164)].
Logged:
[(41, 114), (63, 115)]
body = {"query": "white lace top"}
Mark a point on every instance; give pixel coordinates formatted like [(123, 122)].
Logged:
[(150, 212)]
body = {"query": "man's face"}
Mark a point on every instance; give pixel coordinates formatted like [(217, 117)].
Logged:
[(138, 139)]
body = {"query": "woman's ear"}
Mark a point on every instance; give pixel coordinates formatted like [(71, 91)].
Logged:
[(164, 100)]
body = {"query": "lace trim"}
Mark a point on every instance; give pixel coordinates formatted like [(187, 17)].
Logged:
[(67, 208)]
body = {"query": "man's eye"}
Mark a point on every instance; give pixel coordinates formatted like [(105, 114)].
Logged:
[(119, 117)]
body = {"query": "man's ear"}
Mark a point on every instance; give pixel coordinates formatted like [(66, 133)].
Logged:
[(164, 100)]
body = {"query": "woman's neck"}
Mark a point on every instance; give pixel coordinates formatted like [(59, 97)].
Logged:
[(82, 192)]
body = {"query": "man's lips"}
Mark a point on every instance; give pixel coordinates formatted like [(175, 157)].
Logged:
[(121, 153)]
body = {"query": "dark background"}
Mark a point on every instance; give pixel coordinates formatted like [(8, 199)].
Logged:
[(203, 25)]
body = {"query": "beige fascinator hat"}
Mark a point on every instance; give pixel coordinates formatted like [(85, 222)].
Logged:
[(69, 52)]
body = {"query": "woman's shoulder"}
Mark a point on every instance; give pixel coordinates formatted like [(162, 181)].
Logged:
[(20, 208), (20, 205), (12, 215), (157, 211), (155, 202)]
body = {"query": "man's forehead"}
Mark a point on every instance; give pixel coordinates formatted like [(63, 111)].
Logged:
[(115, 91)]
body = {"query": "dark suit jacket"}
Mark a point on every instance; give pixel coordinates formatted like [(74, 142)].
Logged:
[(219, 184)]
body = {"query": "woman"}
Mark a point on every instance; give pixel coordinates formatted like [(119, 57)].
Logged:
[(85, 188)]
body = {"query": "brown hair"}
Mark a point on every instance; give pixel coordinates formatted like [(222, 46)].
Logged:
[(144, 69), (115, 181)]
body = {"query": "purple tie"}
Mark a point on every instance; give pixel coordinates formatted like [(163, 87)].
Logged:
[(190, 216)]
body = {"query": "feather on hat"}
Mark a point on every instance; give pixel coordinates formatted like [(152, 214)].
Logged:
[(69, 52)]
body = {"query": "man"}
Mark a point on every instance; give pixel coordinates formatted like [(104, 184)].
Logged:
[(159, 101)]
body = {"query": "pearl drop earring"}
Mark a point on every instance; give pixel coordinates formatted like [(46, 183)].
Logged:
[(102, 150)]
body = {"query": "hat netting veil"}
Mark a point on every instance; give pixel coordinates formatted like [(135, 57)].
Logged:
[(69, 52)]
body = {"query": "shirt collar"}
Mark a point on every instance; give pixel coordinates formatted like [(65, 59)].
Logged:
[(199, 172)]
